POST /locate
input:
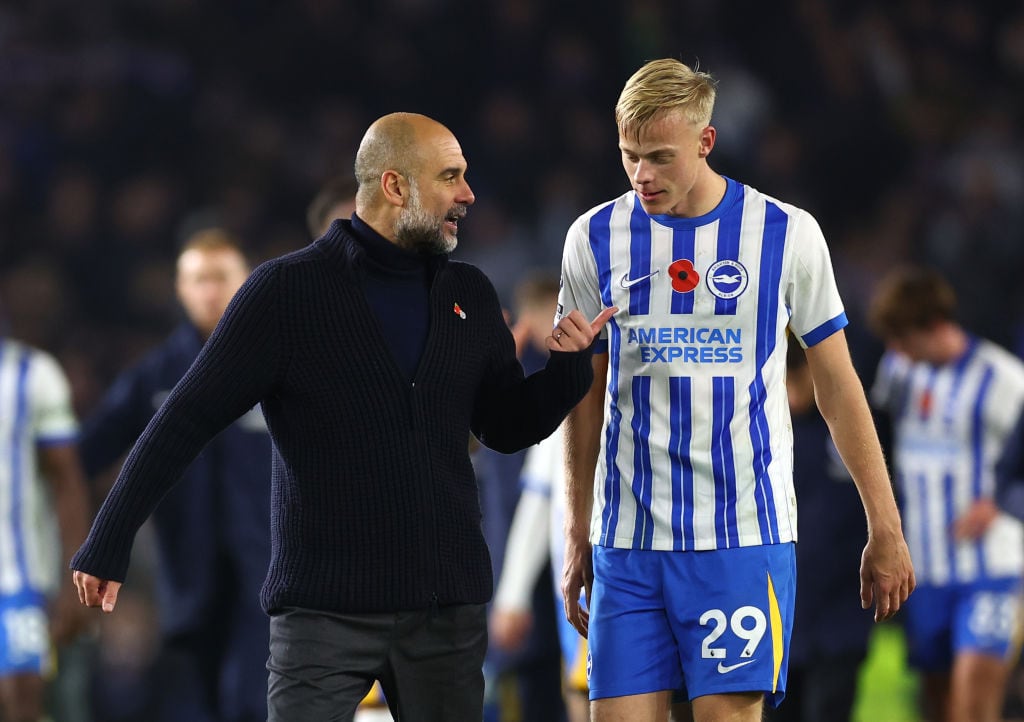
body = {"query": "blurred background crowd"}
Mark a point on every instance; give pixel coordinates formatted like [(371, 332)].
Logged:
[(125, 125)]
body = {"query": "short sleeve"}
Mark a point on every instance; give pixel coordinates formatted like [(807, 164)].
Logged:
[(813, 297), (579, 283), (53, 419), (1006, 397)]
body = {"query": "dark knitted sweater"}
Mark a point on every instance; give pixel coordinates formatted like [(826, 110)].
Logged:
[(374, 501)]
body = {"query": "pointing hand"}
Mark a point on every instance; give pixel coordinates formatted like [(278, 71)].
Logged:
[(573, 333)]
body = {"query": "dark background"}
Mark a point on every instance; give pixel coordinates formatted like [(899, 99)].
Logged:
[(123, 124)]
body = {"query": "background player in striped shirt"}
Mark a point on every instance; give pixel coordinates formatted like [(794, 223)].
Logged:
[(953, 399), (535, 535), (535, 531), (683, 448), (43, 517)]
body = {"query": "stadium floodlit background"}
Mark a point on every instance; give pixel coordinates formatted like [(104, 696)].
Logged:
[(123, 123)]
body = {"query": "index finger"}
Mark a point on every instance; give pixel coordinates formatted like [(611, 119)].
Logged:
[(602, 318)]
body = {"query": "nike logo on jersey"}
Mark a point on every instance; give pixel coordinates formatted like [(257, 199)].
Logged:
[(627, 282), (725, 669)]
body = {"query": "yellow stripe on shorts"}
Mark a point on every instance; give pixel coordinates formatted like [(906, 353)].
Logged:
[(776, 620), (577, 673)]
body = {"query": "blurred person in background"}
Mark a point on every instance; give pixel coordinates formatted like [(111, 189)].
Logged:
[(335, 199), (952, 399), (212, 530), (528, 642), (373, 358), (44, 515), (830, 630), (680, 456), (535, 537)]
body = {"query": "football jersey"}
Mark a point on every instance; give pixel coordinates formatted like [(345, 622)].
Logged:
[(696, 451), (950, 424), (544, 474), (35, 411), (535, 534)]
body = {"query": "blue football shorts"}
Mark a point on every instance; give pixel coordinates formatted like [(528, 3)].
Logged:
[(720, 621), (24, 634), (942, 621)]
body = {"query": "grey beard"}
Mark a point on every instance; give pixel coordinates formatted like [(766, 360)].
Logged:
[(421, 233)]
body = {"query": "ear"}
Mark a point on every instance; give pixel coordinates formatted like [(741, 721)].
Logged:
[(707, 141), (395, 187)]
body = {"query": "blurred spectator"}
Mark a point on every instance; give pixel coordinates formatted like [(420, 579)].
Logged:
[(212, 529), (336, 199)]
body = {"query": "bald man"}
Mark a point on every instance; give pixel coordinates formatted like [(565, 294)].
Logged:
[(374, 357)]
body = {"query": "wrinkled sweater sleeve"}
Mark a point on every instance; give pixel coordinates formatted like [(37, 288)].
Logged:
[(235, 370), (513, 412)]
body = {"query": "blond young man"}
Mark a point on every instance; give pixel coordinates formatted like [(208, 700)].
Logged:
[(681, 516)]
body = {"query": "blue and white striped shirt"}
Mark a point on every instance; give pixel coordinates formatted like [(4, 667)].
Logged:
[(697, 440), (950, 424), (35, 410)]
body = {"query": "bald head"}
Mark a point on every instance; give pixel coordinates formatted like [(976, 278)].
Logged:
[(393, 142), (412, 182)]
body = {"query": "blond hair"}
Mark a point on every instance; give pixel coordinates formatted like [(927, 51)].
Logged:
[(661, 86)]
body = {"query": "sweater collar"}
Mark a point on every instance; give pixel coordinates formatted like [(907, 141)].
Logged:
[(359, 244), (383, 253)]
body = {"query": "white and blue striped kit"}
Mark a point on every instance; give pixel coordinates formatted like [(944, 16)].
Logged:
[(950, 423), (35, 410), (696, 449)]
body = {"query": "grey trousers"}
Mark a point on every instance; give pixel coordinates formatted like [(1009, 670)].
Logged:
[(429, 664)]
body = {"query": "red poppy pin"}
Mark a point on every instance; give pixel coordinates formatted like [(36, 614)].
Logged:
[(684, 276), (926, 403)]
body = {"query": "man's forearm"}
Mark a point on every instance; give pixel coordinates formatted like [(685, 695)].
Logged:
[(841, 401), (849, 419)]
